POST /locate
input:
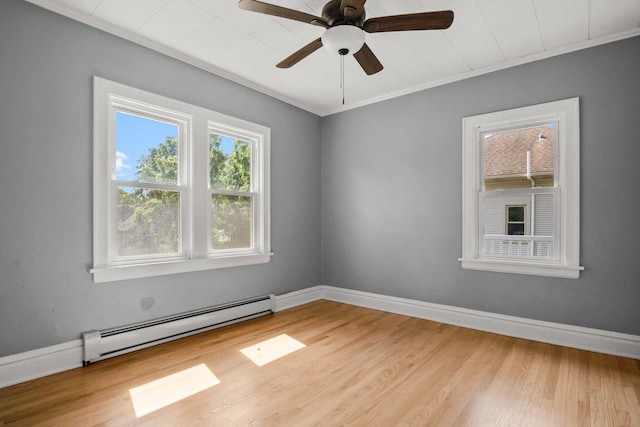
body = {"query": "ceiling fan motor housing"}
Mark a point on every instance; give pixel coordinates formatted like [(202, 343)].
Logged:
[(331, 13)]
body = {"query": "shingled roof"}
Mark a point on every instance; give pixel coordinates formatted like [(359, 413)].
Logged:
[(505, 153)]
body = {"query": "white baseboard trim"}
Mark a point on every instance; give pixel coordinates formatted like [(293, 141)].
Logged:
[(596, 340), (18, 368), (45, 361), (296, 298), (21, 367)]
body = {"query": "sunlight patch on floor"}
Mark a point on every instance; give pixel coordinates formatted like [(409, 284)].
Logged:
[(272, 349), (162, 392)]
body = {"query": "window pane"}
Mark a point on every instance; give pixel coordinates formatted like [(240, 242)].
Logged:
[(515, 229), (229, 163), (146, 150), (516, 213), (232, 222), (148, 221), (520, 158)]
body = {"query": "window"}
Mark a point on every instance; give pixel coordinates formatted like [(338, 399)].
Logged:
[(177, 187), (521, 190), (516, 224)]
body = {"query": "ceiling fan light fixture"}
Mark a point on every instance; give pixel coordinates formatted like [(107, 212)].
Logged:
[(349, 37)]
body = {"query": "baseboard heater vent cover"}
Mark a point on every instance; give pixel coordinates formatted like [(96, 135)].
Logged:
[(106, 343)]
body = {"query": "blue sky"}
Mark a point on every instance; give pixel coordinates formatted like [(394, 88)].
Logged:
[(136, 135)]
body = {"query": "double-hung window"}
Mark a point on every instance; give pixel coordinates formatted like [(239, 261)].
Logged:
[(177, 187), (516, 220), (521, 187)]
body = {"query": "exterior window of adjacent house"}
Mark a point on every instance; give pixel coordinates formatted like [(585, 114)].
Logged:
[(521, 190), (177, 187), (516, 224)]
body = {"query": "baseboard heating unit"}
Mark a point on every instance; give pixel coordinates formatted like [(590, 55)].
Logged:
[(106, 343)]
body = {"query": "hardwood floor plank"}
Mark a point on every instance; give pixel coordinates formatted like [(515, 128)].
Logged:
[(358, 367)]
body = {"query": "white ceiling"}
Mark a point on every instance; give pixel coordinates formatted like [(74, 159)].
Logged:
[(245, 46)]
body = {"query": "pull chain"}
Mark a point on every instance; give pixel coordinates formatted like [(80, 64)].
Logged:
[(343, 52), (342, 76)]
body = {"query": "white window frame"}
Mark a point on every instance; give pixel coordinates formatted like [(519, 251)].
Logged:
[(566, 114), (256, 192), (184, 123), (194, 124)]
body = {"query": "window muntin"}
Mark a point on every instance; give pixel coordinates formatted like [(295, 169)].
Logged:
[(158, 197), (530, 157)]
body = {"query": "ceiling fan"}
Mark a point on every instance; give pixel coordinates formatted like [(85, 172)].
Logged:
[(346, 24)]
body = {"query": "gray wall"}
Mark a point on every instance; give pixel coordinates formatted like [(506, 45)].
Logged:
[(46, 294), (391, 193), (388, 214)]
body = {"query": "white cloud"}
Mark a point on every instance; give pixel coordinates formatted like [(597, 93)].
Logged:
[(121, 162)]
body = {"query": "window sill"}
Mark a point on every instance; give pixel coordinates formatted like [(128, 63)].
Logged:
[(522, 267), (137, 271)]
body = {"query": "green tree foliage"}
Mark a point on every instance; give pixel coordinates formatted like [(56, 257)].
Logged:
[(154, 224), (160, 166), (237, 174), (231, 225), (217, 161), (149, 219)]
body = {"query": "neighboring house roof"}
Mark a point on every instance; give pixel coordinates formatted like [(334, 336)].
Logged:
[(505, 153)]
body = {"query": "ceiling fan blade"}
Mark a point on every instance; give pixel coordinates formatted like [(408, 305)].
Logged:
[(282, 12), (352, 9), (367, 60), (299, 55), (415, 21)]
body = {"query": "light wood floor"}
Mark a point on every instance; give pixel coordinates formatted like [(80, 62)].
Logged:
[(360, 367)]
